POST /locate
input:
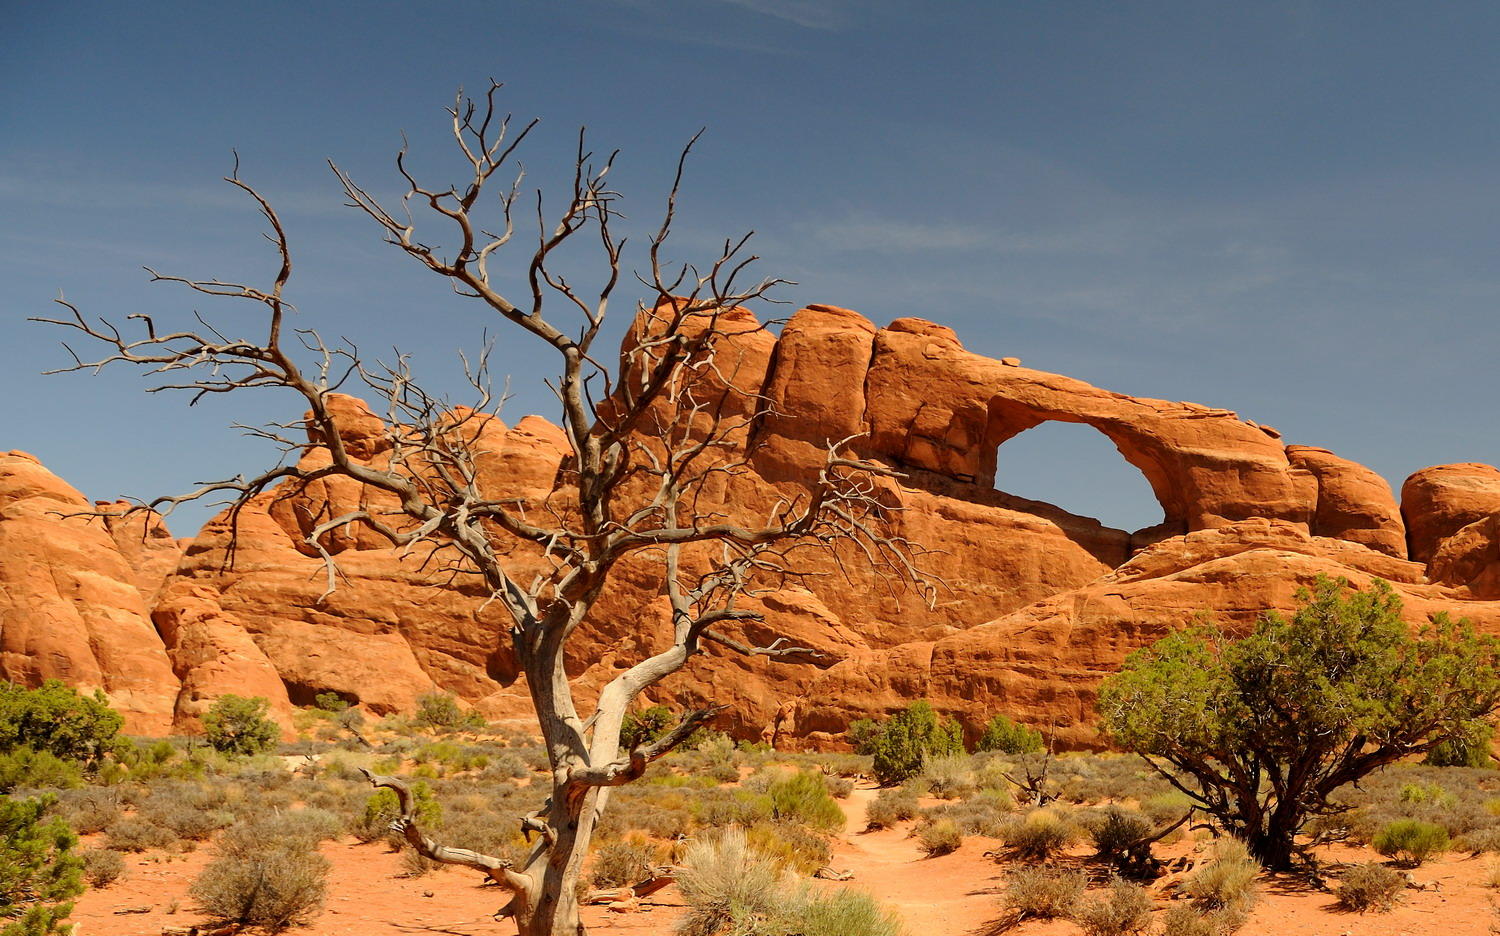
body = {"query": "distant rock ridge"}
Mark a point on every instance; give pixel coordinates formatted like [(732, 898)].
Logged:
[(1040, 603)]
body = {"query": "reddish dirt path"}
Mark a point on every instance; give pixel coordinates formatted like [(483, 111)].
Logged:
[(953, 895)]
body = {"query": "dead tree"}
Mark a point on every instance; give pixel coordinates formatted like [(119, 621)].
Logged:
[(645, 441)]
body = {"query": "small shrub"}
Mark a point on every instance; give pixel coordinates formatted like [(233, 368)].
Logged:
[(906, 740), (1008, 737), (624, 862), (90, 810), (950, 776), (812, 912), (330, 702), (838, 787), (1043, 893), (793, 847), (1042, 834), (803, 797), (726, 883), (1123, 910), (440, 711), (1480, 841), (238, 726), (102, 867), (1114, 829), (890, 807), (1369, 887), (1188, 920), (134, 834), (940, 837), (644, 726), (1410, 841), (272, 886), (1227, 882)]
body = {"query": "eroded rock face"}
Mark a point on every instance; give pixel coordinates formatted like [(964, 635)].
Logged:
[(70, 608), (1039, 603)]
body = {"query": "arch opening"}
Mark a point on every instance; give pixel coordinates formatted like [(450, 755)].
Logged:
[(1077, 468)]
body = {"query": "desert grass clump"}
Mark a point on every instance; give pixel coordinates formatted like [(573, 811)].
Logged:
[(1369, 886), (1188, 920), (728, 886), (940, 837), (793, 847), (1410, 841), (891, 806), (102, 867), (810, 912), (1123, 910), (89, 810), (803, 797), (1040, 835), (1227, 882), (1043, 893), (949, 776)]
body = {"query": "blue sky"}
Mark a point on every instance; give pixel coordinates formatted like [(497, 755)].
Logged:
[(1288, 209)]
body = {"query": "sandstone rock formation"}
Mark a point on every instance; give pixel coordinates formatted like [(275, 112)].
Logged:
[(1039, 605)]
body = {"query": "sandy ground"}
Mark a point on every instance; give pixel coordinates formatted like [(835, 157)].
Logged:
[(952, 895)]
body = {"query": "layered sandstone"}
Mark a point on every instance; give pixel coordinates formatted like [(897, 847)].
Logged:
[(1038, 603)]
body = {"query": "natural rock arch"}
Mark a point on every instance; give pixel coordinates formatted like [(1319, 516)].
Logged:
[(1075, 457)]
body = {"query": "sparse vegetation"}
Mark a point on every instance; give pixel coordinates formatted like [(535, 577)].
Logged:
[(1040, 835)]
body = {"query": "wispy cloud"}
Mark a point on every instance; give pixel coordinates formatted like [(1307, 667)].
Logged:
[(823, 15)]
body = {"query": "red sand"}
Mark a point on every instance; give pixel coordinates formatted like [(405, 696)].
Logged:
[(952, 895)]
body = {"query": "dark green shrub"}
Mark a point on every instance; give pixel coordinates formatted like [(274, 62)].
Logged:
[(1469, 748), (1114, 828), (1369, 887), (55, 718), (25, 769), (40, 870), (1344, 668), (903, 743), (1008, 737), (440, 711), (1410, 841), (330, 702), (644, 726), (237, 725)]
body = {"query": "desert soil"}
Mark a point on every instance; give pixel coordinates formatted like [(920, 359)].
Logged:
[(952, 895)]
